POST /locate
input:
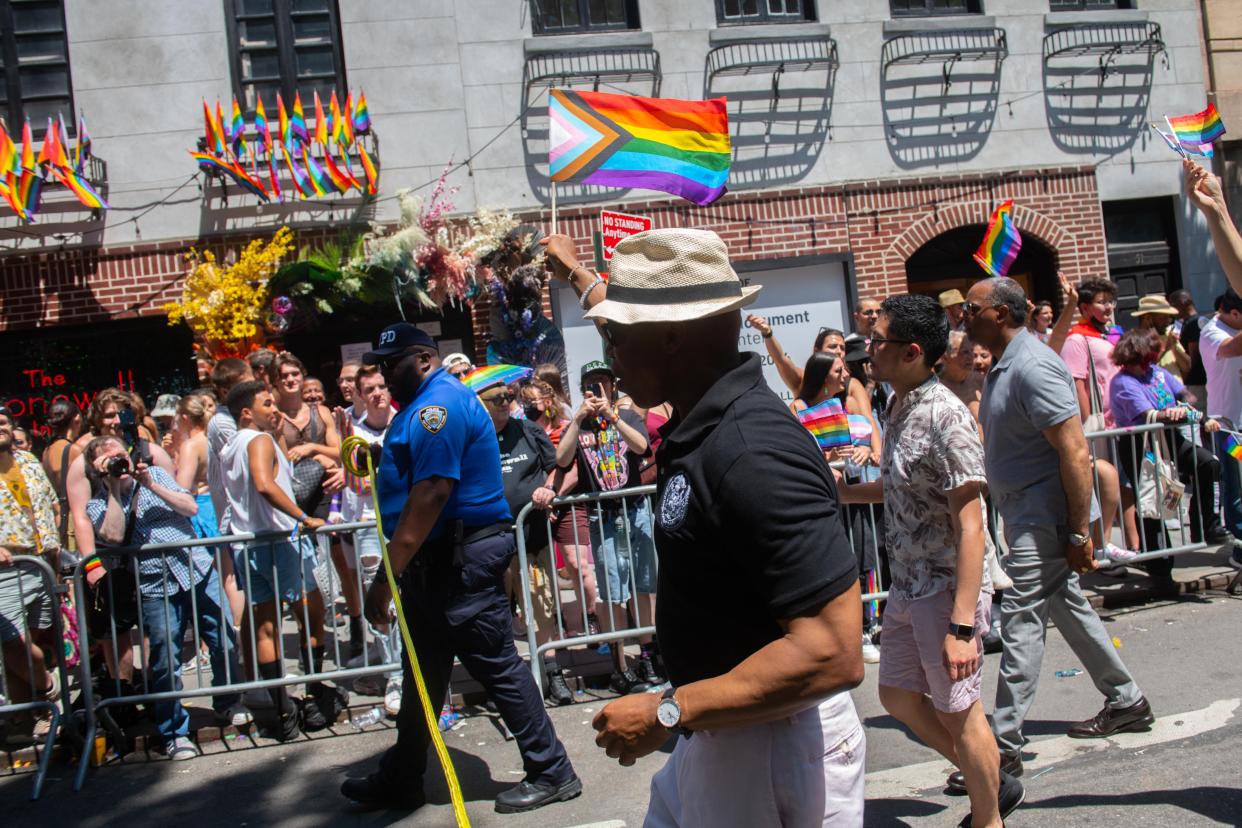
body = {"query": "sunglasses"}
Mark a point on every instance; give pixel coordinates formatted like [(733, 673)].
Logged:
[(970, 309), (498, 399)]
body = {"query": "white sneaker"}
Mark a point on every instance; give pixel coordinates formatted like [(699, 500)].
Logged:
[(870, 652), (1117, 554), (392, 697), (236, 715), (180, 749)]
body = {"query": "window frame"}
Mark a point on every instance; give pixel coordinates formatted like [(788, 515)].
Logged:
[(929, 10), (633, 21), (1088, 5), (286, 51), (14, 108), (810, 14)]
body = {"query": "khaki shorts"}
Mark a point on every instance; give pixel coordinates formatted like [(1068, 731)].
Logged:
[(542, 603)]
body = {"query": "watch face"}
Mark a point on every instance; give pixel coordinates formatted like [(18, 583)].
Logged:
[(668, 713)]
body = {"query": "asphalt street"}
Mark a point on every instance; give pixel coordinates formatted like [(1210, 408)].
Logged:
[(1185, 655)]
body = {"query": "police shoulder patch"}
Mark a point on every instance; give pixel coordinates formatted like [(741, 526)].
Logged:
[(674, 502), (433, 417)]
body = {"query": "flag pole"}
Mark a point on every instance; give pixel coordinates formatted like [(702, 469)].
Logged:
[(554, 206), (1180, 149)]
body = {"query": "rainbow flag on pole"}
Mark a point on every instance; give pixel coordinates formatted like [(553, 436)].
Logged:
[(828, 423), (1232, 447), (1001, 243), (1195, 133), (674, 146)]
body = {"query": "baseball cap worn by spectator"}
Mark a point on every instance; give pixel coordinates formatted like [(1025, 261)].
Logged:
[(1154, 304), (671, 275), (395, 339), (165, 406), (595, 367)]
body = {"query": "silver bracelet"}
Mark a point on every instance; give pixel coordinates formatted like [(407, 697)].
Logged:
[(582, 300)]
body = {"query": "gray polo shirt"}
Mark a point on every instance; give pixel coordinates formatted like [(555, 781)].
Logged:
[(1028, 390)]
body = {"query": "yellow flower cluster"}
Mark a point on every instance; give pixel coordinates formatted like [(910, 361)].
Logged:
[(225, 303)]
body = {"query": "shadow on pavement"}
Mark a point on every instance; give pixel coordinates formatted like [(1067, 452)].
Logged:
[(1223, 805), (889, 813)]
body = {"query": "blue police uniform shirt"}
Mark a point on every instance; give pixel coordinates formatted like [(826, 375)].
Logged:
[(443, 432)]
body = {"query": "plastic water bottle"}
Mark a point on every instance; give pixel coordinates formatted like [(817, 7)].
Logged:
[(369, 717)]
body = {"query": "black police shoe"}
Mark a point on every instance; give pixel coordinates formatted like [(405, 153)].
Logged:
[(527, 796), (625, 683), (558, 691), (1011, 765), (646, 671), (375, 792)]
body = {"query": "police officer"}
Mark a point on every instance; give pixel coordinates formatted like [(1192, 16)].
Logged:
[(450, 539)]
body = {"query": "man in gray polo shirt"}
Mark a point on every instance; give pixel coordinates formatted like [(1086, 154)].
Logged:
[(1039, 474)]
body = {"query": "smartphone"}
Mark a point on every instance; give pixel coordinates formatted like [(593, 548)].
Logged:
[(596, 388)]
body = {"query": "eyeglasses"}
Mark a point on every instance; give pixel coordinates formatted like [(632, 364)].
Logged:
[(498, 399), (876, 341)]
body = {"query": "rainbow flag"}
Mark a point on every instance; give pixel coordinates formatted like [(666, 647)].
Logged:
[(297, 121), (300, 181), (211, 131), (238, 128), (286, 134), (52, 153), (80, 187), (340, 179), (1232, 447), (362, 115), (485, 377), (226, 136), (334, 112), (233, 170), (1001, 243), (318, 178), (30, 184), (321, 123), (347, 120), (828, 423), (1195, 133), (260, 125), (368, 167), (674, 146), (82, 149)]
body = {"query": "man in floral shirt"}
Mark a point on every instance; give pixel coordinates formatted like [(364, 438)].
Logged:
[(931, 479), (27, 527)]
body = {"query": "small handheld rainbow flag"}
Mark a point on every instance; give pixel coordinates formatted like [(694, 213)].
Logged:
[(489, 375), (260, 125), (362, 115), (1001, 243), (1195, 133), (828, 423), (321, 122), (674, 146), (1232, 447), (297, 121), (347, 120)]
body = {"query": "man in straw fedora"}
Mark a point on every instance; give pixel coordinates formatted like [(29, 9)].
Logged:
[(758, 595)]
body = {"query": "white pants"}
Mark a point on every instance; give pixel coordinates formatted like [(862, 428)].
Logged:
[(806, 770)]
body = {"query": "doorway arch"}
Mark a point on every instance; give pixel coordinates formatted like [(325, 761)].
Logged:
[(946, 261)]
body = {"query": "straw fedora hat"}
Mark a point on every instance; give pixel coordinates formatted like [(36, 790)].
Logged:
[(671, 275), (951, 298), (1154, 303)]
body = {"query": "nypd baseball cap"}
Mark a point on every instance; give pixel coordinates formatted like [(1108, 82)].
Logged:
[(396, 338), (596, 367)]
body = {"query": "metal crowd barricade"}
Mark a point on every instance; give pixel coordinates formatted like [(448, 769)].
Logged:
[(241, 547), (620, 506), (59, 711)]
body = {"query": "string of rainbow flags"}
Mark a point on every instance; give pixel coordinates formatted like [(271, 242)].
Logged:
[(227, 144), (23, 174)]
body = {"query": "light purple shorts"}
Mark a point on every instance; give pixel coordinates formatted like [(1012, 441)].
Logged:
[(912, 649)]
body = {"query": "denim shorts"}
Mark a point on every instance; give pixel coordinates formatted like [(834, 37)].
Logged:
[(24, 603), (284, 564)]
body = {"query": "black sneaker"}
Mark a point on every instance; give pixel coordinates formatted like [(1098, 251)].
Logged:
[(626, 683), (1010, 796), (646, 671), (558, 691), (1217, 536), (290, 726), (527, 796), (374, 792)]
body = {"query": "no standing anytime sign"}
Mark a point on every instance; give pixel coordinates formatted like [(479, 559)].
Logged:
[(616, 226)]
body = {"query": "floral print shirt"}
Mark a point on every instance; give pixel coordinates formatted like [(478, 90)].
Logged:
[(931, 447), (17, 532)]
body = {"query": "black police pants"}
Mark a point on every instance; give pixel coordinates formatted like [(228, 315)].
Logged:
[(433, 599)]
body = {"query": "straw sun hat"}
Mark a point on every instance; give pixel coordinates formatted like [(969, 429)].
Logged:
[(671, 275), (1154, 303)]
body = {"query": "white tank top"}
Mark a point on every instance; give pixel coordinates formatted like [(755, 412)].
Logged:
[(249, 510)]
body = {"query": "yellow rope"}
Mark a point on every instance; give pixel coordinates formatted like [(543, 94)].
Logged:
[(430, 712)]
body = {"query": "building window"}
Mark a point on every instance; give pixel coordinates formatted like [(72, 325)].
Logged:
[(34, 61), (285, 46), (553, 17), (733, 12), (927, 8), (1089, 5)]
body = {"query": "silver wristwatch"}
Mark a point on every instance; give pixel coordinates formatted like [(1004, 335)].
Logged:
[(1077, 539), (669, 712)]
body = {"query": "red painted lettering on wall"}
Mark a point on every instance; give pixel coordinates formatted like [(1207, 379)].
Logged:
[(43, 388)]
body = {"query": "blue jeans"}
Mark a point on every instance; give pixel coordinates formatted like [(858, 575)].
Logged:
[(166, 628), (1230, 486), (623, 551)]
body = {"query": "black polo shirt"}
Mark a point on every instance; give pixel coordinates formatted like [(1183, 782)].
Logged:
[(748, 528)]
